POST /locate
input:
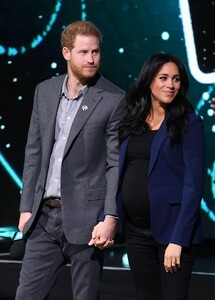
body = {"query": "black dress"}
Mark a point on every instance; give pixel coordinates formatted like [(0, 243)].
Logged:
[(134, 186)]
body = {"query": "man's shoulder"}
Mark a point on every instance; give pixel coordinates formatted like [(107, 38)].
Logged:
[(108, 86), (53, 80)]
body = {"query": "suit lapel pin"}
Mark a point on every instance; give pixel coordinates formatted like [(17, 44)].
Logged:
[(84, 107)]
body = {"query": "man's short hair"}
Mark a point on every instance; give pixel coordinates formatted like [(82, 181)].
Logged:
[(85, 28)]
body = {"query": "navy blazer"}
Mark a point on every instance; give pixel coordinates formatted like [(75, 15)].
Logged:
[(175, 184)]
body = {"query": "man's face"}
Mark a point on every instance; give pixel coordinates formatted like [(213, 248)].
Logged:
[(84, 58)]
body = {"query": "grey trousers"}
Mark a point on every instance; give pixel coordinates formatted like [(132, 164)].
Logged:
[(47, 251)]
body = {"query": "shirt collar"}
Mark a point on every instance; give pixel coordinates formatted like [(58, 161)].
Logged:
[(65, 93)]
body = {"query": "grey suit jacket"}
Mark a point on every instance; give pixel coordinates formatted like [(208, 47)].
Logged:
[(89, 172)]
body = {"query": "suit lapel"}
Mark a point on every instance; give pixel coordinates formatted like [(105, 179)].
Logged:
[(89, 103), (157, 142)]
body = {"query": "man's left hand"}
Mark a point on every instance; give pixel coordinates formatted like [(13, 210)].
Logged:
[(103, 233)]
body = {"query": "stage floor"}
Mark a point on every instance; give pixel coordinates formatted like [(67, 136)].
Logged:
[(116, 283)]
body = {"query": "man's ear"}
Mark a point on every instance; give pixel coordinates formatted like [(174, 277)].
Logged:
[(66, 53)]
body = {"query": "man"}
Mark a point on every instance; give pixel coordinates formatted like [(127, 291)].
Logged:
[(213, 104), (71, 171)]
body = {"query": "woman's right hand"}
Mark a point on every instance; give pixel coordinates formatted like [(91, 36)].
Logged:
[(172, 258)]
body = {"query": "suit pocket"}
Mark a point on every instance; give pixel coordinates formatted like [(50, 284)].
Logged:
[(97, 193), (174, 197)]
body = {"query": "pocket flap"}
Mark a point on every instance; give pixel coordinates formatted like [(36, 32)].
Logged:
[(174, 197), (96, 193)]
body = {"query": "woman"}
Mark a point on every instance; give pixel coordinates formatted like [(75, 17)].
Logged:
[(161, 179)]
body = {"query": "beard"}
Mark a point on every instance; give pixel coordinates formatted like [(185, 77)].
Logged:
[(85, 72)]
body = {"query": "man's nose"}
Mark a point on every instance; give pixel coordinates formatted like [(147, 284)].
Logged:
[(90, 58)]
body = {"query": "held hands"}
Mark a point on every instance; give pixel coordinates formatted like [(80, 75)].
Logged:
[(103, 233), (24, 217), (172, 258)]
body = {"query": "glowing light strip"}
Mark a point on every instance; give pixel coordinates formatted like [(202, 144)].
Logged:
[(209, 212), (202, 101), (190, 46), (8, 231), (10, 171), (200, 104), (12, 51), (83, 8)]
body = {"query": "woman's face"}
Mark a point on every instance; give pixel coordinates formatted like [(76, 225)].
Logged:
[(166, 84)]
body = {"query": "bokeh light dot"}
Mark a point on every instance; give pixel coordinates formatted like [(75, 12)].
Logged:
[(205, 95), (210, 112), (165, 35), (54, 65)]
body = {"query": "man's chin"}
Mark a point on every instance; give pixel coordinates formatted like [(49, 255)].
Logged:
[(88, 75)]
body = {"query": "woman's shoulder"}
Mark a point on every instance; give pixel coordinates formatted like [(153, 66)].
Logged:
[(195, 123), (194, 117)]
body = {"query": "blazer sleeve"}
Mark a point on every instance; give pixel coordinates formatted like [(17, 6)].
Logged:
[(112, 155), (193, 148), (32, 159)]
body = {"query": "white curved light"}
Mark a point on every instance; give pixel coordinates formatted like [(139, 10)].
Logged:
[(200, 76)]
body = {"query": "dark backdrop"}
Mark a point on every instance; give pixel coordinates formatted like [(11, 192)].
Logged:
[(133, 29)]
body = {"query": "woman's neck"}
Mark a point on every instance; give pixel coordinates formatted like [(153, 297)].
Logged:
[(155, 118)]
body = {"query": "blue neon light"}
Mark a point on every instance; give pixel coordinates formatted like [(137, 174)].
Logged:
[(10, 171)]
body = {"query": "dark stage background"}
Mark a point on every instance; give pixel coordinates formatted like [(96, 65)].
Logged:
[(133, 29)]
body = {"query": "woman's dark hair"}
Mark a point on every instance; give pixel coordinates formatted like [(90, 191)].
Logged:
[(138, 99)]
